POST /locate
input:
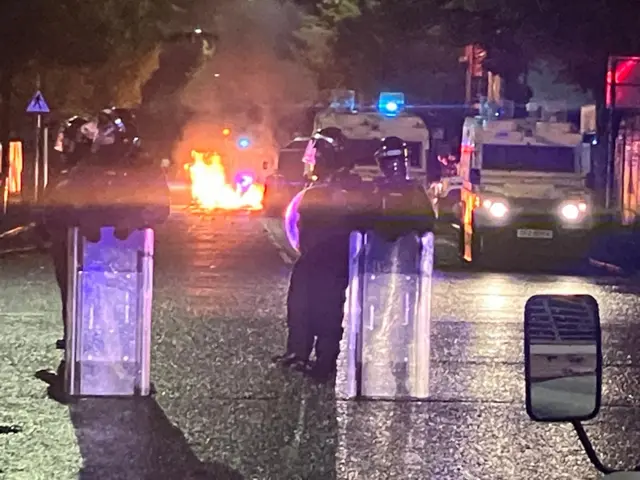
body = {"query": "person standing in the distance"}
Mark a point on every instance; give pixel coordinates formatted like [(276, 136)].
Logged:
[(328, 213)]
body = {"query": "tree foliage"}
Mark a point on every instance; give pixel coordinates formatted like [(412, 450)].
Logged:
[(580, 35), (88, 53), (93, 52)]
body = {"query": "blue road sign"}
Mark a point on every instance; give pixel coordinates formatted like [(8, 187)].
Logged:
[(38, 104)]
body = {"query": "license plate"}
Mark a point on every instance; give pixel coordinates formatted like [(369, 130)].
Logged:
[(529, 233)]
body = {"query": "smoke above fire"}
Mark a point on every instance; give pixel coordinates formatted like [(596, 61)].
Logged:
[(255, 84)]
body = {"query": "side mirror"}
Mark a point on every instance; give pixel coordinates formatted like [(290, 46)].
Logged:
[(265, 165), (590, 181), (563, 358), (474, 176)]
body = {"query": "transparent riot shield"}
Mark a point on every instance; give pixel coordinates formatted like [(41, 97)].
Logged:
[(109, 314), (389, 317)]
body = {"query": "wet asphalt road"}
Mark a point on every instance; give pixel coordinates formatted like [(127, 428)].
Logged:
[(219, 316)]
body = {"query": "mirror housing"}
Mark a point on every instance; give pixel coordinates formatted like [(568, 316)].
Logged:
[(563, 358), (265, 165), (590, 181)]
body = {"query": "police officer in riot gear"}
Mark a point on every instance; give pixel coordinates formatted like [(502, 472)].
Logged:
[(97, 190), (404, 207), (344, 174), (404, 203), (328, 213)]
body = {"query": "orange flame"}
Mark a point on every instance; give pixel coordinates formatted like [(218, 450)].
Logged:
[(210, 189)]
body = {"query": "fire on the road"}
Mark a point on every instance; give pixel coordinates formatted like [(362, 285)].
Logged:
[(211, 189)]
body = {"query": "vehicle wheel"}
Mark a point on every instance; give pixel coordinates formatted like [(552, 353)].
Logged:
[(477, 256), (461, 244)]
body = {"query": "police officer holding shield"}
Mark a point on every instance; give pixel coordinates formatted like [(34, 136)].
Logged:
[(404, 208), (331, 208), (106, 166)]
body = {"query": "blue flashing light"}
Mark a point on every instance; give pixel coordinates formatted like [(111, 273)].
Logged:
[(391, 104), (244, 142), (391, 107)]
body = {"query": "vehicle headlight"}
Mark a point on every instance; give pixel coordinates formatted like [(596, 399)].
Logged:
[(573, 211), (496, 208)]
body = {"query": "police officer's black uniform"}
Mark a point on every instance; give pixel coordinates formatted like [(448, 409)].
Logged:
[(328, 212)]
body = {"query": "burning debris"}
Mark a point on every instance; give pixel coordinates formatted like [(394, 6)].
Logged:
[(211, 189)]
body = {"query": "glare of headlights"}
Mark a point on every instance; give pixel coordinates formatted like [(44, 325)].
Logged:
[(570, 211), (498, 209)]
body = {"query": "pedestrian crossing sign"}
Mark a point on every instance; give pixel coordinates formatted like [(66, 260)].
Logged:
[(38, 104)]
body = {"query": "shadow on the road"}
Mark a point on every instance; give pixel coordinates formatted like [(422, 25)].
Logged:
[(304, 428), (130, 438)]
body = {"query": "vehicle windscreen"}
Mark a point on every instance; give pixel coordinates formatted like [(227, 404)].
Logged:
[(528, 158), (290, 164), (362, 151)]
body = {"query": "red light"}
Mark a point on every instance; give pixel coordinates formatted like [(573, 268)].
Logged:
[(627, 87)]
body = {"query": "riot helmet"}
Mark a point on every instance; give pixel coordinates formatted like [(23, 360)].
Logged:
[(335, 137), (117, 130), (393, 158), (74, 139), (319, 158)]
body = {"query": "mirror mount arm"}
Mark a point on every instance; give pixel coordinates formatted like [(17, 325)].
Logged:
[(589, 450)]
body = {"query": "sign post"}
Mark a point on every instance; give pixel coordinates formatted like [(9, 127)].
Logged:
[(38, 105)]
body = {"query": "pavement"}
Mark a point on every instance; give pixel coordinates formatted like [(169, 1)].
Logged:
[(221, 411)]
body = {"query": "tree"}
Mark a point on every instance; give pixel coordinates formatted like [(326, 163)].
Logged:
[(88, 54), (318, 33), (581, 35)]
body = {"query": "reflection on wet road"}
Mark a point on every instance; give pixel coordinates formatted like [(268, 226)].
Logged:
[(219, 315)]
